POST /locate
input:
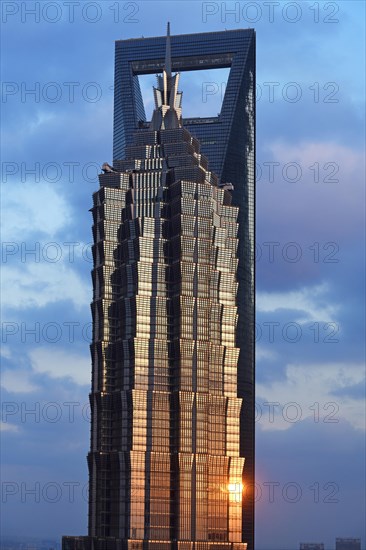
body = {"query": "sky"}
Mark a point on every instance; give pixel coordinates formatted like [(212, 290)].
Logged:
[(57, 114)]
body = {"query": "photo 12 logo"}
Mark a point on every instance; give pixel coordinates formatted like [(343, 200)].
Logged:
[(270, 492), (271, 92), (270, 12), (53, 412), (69, 12)]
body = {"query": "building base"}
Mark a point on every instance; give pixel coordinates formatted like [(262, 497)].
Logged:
[(111, 543)]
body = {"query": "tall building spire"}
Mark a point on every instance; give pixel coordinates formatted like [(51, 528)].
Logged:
[(168, 112), (168, 55)]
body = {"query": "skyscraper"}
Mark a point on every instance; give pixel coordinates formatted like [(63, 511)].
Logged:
[(173, 315)]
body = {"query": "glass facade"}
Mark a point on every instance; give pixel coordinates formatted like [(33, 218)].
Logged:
[(173, 312), (228, 142)]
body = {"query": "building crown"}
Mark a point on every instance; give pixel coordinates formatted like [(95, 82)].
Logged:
[(168, 111)]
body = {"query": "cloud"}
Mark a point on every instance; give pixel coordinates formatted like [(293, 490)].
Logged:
[(40, 209), (311, 301), (5, 352), (10, 428), (264, 353), (36, 285), (310, 230), (58, 363), (18, 381), (326, 460), (325, 183), (305, 153), (357, 391), (308, 392)]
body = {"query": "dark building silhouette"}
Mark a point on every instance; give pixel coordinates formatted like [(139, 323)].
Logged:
[(348, 544), (171, 464), (311, 546)]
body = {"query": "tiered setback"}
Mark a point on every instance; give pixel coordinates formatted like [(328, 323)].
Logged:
[(165, 471)]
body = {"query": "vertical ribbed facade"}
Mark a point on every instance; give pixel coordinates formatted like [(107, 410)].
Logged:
[(166, 463), (228, 142)]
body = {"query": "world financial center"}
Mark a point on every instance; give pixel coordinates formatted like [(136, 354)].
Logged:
[(171, 464)]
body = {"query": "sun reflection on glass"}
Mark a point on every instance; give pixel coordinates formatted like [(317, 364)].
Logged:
[(235, 491)]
